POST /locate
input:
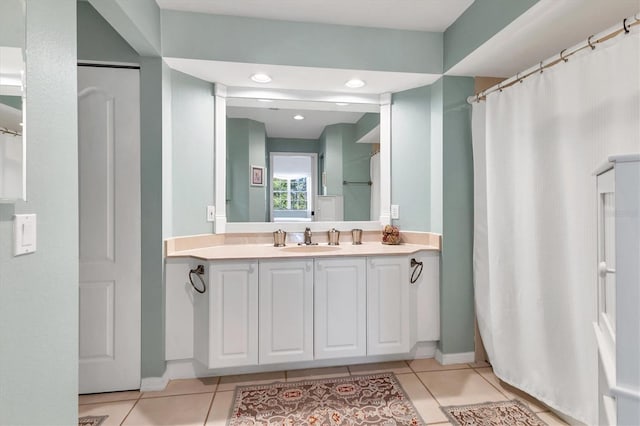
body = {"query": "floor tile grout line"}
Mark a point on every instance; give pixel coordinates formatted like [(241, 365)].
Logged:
[(179, 394), (428, 390), (129, 412), (213, 397), (492, 385)]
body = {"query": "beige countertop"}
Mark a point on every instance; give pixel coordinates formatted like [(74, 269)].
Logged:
[(260, 246), (268, 251)]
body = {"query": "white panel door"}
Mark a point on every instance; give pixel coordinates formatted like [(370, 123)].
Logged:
[(340, 308), (286, 311), (388, 306), (109, 210), (229, 317)]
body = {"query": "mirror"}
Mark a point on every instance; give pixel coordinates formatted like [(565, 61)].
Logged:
[(316, 169), (12, 98), (301, 161)]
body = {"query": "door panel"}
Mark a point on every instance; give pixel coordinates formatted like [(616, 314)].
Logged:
[(109, 241)]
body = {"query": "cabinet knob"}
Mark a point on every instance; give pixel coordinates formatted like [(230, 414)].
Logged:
[(319, 266)]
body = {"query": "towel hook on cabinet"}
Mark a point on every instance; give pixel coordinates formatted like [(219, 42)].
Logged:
[(417, 270), (199, 271)]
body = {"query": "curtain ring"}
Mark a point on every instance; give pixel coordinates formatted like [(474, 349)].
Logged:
[(624, 26), (562, 57), (518, 79), (592, 46), (541, 68), (500, 87)]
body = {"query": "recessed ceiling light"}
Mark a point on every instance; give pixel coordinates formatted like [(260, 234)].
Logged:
[(342, 103), (265, 100), (298, 117), (261, 78), (355, 83)]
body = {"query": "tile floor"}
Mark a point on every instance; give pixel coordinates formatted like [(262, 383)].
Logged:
[(207, 401)]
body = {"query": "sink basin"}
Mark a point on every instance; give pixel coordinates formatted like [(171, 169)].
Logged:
[(310, 249)]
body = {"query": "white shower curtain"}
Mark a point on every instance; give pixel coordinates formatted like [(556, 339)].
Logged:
[(536, 146)]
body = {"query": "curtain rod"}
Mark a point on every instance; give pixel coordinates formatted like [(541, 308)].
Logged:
[(9, 132), (563, 57)]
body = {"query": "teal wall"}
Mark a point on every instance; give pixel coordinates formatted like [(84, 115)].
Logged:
[(257, 157), (410, 158), (39, 291), (456, 271), (436, 156), (12, 29), (137, 21), (97, 40), (481, 21), (331, 149), (192, 154), (292, 145), (246, 146), (367, 123), (236, 39), (153, 102), (12, 101), (356, 160)]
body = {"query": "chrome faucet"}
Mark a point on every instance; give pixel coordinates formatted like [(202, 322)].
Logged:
[(307, 236)]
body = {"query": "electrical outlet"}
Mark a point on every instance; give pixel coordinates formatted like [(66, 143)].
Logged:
[(211, 213), (395, 211)]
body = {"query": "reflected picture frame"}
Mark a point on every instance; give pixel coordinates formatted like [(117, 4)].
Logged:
[(257, 176)]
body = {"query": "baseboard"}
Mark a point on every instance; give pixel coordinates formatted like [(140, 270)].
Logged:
[(424, 350), (455, 358), (150, 384)]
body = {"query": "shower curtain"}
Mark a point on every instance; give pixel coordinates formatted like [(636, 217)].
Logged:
[(536, 145)]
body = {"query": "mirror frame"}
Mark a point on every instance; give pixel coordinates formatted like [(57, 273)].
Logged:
[(222, 92)]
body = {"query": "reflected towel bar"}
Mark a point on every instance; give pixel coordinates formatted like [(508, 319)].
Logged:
[(348, 182)]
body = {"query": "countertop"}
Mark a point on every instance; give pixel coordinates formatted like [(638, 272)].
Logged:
[(268, 251)]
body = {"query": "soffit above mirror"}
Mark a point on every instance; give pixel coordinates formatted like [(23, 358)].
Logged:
[(326, 80)]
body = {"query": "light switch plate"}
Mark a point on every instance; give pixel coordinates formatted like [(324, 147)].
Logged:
[(211, 213), (24, 234), (395, 211)]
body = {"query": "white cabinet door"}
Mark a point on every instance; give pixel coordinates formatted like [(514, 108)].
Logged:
[(226, 316), (388, 306), (286, 311), (340, 308)]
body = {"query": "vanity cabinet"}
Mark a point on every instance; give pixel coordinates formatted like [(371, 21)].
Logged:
[(302, 310), (389, 325), (286, 311), (340, 308), (226, 317)]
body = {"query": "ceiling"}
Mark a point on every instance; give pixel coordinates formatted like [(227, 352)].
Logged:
[(419, 15)]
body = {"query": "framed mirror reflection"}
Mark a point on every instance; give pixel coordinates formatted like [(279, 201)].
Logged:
[(320, 160)]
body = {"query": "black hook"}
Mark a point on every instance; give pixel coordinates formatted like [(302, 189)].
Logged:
[(199, 271), (624, 26), (541, 68), (592, 46)]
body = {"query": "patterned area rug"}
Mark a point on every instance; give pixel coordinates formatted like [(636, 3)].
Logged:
[(493, 414), (375, 399), (91, 420)]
